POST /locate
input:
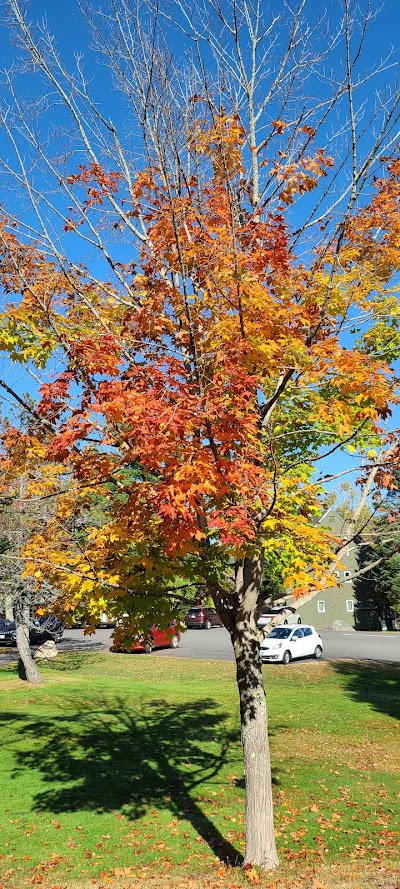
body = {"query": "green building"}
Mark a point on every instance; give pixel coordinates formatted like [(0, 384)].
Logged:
[(322, 608)]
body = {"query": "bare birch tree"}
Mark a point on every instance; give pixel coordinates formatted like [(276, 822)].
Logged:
[(19, 596)]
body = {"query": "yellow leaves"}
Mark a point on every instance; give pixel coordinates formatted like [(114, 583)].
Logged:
[(297, 352), (86, 586), (117, 533), (253, 875), (269, 524), (38, 574), (307, 548), (112, 580), (222, 142), (101, 537)]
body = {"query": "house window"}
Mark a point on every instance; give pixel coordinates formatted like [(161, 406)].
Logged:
[(349, 604), (321, 606), (347, 576)]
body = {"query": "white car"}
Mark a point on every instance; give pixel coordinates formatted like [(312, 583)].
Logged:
[(266, 615), (285, 643)]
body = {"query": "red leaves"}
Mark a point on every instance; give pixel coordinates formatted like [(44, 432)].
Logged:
[(71, 225), (54, 396), (101, 355), (60, 445), (107, 182)]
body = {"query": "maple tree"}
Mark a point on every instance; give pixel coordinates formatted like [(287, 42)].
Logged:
[(243, 330)]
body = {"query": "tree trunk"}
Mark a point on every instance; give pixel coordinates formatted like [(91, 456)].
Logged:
[(9, 613), (22, 617), (260, 837)]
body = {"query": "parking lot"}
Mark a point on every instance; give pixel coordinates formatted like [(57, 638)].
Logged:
[(215, 644)]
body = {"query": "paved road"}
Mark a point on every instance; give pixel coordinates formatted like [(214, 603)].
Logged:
[(215, 645)]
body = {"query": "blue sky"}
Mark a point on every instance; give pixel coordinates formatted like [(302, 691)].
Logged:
[(65, 20)]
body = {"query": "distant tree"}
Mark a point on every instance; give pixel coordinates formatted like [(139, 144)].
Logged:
[(23, 512), (379, 553), (272, 584), (18, 594), (345, 501), (380, 585)]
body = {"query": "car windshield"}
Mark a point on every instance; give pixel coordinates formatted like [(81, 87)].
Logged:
[(280, 633)]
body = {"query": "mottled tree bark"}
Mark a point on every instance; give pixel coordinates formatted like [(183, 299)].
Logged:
[(238, 613), (260, 837)]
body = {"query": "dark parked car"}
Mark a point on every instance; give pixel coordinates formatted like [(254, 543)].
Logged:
[(48, 627), (204, 618), (7, 632)]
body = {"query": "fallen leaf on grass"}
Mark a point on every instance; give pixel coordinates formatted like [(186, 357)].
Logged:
[(252, 875)]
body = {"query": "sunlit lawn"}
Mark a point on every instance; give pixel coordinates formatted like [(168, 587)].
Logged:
[(127, 766)]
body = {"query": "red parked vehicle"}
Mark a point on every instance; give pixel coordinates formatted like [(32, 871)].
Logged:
[(204, 618), (156, 639)]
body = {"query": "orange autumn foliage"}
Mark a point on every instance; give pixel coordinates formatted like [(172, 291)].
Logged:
[(218, 384)]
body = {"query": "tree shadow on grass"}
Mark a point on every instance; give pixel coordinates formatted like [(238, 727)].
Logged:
[(372, 682), (102, 758)]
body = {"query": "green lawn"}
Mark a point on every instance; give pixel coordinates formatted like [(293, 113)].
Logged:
[(134, 762)]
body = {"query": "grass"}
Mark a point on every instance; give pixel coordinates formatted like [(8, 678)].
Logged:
[(121, 769)]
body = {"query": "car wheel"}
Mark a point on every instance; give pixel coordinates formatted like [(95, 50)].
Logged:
[(174, 642), (299, 620), (285, 622), (148, 648), (318, 652), (286, 657), (207, 625)]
